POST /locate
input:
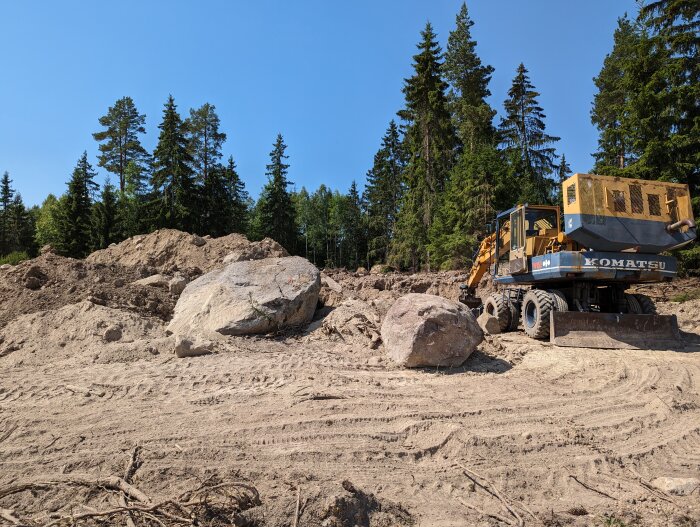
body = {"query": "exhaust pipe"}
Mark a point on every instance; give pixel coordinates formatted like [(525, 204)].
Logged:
[(675, 226)]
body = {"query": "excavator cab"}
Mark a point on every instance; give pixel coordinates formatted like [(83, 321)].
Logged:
[(533, 228)]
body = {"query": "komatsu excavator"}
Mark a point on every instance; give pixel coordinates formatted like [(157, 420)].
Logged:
[(570, 285)]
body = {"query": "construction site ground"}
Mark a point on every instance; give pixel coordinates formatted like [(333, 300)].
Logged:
[(524, 433)]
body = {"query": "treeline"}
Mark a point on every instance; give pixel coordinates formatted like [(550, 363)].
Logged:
[(436, 181)]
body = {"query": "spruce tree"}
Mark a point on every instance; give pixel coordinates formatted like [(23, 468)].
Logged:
[(120, 144), (105, 213), (6, 195), (22, 227), (526, 142), (468, 79), (238, 198), (275, 209), (430, 142), (612, 105), (75, 225), (563, 172), (353, 228), (383, 192), (172, 178)]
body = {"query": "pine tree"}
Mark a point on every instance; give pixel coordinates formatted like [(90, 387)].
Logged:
[(430, 144), (275, 209), (6, 195), (105, 212), (75, 226), (205, 142), (22, 227), (526, 143), (468, 79), (131, 209), (354, 235), (172, 178), (611, 112), (563, 172), (383, 192), (120, 139)]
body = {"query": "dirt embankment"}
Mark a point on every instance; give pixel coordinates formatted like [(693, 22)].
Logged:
[(320, 429)]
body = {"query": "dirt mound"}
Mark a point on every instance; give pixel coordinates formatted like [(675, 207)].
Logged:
[(82, 331), (51, 282), (169, 250)]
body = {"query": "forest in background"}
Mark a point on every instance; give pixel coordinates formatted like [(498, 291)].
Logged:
[(442, 170)]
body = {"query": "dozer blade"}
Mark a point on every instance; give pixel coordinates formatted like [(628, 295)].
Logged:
[(610, 330)]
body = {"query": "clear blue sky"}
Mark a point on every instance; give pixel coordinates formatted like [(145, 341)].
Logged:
[(327, 74)]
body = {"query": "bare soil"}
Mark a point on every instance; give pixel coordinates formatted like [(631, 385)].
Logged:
[(329, 432)]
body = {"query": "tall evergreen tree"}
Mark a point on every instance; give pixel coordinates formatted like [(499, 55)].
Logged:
[(468, 79), (105, 217), (6, 195), (172, 178), (526, 142), (612, 106), (383, 192), (430, 144), (275, 209), (238, 196), (563, 172), (205, 142), (75, 225), (354, 235), (22, 227), (120, 144)]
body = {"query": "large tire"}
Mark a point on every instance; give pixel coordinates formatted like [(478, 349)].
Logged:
[(499, 306), (647, 304), (634, 307), (537, 305), (560, 303), (514, 316)]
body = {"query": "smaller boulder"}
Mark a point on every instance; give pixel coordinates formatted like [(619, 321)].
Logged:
[(177, 285), (677, 486), (192, 346), (489, 324), (32, 282), (198, 240), (361, 271), (380, 269), (47, 249), (426, 330), (327, 281), (156, 280), (112, 333), (5, 267)]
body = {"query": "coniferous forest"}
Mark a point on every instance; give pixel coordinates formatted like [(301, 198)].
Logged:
[(443, 167)]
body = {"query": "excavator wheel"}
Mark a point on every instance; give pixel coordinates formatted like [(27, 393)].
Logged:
[(514, 316), (634, 307), (537, 305), (500, 307), (560, 303), (647, 304)]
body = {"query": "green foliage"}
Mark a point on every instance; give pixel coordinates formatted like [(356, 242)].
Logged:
[(105, 218), (6, 197), (275, 215), (174, 203), (689, 261), (14, 258), (120, 144), (74, 217), (382, 195), (685, 296), (430, 143), (526, 143), (47, 221)]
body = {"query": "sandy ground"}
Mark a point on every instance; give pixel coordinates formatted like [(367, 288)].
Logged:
[(566, 436)]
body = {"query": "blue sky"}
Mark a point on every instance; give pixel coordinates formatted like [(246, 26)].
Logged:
[(327, 74)]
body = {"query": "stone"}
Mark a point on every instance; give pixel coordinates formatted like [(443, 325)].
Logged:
[(119, 282), (361, 271), (198, 241), (192, 346), (327, 281), (380, 269), (265, 248), (677, 486), (156, 280), (177, 285), (46, 249), (353, 322), (5, 267), (489, 324), (426, 330), (112, 333), (250, 297), (32, 282)]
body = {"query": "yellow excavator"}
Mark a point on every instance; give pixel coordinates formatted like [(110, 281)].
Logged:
[(569, 284)]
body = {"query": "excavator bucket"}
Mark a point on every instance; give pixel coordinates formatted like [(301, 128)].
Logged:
[(610, 330)]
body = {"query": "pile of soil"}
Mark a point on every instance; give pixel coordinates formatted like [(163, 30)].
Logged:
[(51, 282), (169, 251)]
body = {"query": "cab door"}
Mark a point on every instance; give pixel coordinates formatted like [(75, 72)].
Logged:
[(518, 258)]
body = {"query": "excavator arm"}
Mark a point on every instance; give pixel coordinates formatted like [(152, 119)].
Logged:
[(484, 258)]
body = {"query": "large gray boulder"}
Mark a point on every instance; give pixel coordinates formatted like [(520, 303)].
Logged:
[(428, 330), (255, 296)]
